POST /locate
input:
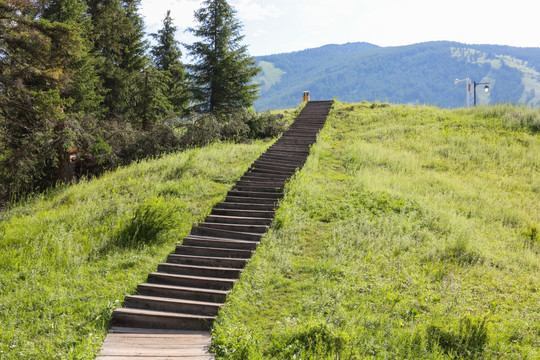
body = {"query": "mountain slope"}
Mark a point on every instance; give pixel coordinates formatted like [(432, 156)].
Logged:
[(420, 73)]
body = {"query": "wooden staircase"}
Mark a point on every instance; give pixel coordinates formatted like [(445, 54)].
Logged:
[(187, 291)]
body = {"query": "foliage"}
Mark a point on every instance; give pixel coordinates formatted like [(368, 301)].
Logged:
[(79, 94), (69, 256), (118, 42), (166, 55), (222, 71), (241, 125), (410, 233), (38, 90)]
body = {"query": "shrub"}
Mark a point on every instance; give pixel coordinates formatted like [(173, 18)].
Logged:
[(242, 125), (202, 129)]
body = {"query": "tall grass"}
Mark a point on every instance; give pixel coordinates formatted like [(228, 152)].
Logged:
[(68, 257), (411, 233)]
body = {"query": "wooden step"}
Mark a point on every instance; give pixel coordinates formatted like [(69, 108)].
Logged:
[(266, 209), (219, 242), (247, 212), (278, 184), (147, 319), (182, 292), (197, 270), (225, 234), (258, 229), (237, 220), (213, 252), (227, 262), (257, 188), (191, 281), (270, 172), (255, 194), (273, 167), (271, 155), (248, 175), (251, 200), (181, 306)]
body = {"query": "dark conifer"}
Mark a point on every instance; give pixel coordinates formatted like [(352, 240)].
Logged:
[(167, 59), (223, 71), (118, 40)]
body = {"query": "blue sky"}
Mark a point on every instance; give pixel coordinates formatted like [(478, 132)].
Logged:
[(276, 26)]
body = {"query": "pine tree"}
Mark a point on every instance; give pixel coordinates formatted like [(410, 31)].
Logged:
[(37, 62), (223, 70), (85, 89), (167, 59), (118, 39)]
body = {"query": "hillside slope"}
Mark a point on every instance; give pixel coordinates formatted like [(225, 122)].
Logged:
[(411, 233), (421, 73), (69, 257)]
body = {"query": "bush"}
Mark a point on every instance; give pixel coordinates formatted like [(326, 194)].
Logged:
[(242, 125), (202, 129), (159, 140)]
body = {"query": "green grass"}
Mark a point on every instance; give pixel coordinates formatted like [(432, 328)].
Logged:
[(411, 233), (68, 257)]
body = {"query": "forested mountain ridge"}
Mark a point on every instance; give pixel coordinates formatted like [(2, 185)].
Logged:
[(421, 73)]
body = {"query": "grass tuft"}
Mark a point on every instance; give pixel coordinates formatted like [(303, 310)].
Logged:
[(467, 341), (150, 218)]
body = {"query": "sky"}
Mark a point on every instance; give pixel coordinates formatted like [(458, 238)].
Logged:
[(279, 26)]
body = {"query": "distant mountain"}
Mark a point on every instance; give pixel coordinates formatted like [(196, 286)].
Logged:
[(421, 73)]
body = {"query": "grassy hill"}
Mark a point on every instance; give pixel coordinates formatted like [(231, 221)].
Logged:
[(415, 74), (412, 232), (69, 256)]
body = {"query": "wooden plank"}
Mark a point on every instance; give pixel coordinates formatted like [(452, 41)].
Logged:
[(161, 337), (146, 332), (153, 342), (128, 351), (201, 357)]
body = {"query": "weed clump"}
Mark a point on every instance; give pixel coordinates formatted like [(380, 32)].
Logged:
[(468, 341), (531, 237), (149, 219), (317, 338)]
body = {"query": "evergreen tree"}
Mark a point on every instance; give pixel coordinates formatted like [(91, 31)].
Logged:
[(118, 40), (85, 89), (223, 71), (37, 60), (166, 55)]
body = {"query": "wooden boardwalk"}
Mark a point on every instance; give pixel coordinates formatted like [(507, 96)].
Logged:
[(187, 291)]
